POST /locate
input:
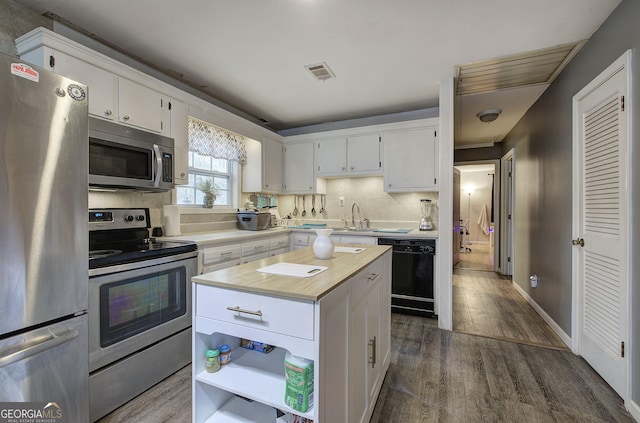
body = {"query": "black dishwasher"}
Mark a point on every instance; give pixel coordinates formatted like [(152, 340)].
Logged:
[(412, 275)]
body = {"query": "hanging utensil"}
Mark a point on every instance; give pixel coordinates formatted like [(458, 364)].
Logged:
[(295, 205), (313, 205), (323, 211), (304, 209)]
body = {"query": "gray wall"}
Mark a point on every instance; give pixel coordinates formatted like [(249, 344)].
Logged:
[(542, 142), (16, 20)]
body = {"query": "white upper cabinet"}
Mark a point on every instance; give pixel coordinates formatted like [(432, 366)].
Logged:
[(102, 84), (411, 159), (263, 170), (331, 156), (179, 115), (272, 165), (140, 106), (355, 155), (363, 154), (299, 176), (111, 97)]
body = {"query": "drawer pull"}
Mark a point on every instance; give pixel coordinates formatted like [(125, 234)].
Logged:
[(226, 253), (373, 276), (240, 310)]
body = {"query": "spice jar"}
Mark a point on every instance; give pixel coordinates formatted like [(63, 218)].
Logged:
[(212, 364), (225, 354)]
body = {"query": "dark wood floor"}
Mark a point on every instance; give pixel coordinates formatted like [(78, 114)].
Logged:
[(442, 376)]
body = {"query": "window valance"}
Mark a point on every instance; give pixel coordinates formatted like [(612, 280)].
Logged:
[(210, 140)]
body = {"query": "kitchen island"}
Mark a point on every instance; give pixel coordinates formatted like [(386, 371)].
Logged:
[(339, 318)]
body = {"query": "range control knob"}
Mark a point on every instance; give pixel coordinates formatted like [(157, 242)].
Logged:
[(140, 217), (128, 218)]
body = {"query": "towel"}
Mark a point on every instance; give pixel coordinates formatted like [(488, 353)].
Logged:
[(483, 221)]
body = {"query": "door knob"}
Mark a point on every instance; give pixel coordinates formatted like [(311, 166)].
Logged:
[(578, 241)]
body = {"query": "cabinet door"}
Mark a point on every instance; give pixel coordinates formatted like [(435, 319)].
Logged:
[(363, 154), (140, 106), (102, 84), (410, 160), (358, 350), (272, 160), (331, 156), (179, 112), (374, 362), (298, 168)]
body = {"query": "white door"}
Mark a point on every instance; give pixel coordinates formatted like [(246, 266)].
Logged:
[(508, 178), (600, 226)]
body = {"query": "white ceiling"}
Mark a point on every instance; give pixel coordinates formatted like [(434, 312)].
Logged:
[(388, 56)]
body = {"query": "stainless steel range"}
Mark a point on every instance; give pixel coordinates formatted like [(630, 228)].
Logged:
[(139, 307)]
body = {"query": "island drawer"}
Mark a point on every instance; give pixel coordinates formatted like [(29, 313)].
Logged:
[(281, 315), (365, 280)]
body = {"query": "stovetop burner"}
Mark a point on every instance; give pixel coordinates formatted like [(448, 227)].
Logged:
[(119, 236), (95, 254)]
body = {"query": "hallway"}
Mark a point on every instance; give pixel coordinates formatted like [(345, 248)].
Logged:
[(486, 304)]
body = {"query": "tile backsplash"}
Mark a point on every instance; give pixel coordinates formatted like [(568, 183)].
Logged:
[(375, 204)]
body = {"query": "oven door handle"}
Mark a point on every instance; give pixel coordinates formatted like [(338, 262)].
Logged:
[(157, 172), (31, 350)]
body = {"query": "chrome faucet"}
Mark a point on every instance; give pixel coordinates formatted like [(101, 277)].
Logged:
[(353, 216)]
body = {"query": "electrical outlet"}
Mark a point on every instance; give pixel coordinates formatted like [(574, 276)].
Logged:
[(341, 201)]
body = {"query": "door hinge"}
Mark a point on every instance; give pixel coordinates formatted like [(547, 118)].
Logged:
[(161, 126), (169, 105), (379, 138), (379, 164), (52, 61), (161, 104), (435, 181), (508, 217), (508, 259), (622, 349), (622, 103), (435, 133)]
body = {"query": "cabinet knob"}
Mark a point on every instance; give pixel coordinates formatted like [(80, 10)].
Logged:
[(389, 185), (108, 113), (344, 168), (353, 168), (182, 174), (125, 117)]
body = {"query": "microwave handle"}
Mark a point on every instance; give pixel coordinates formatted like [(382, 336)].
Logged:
[(158, 166)]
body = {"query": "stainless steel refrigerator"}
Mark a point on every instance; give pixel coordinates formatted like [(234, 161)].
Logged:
[(43, 243)]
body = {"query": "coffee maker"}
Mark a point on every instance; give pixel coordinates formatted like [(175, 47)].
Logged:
[(426, 224)]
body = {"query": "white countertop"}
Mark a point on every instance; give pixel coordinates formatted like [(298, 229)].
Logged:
[(207, 238)]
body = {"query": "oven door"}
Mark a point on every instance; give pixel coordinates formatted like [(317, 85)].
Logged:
[(138, 305)]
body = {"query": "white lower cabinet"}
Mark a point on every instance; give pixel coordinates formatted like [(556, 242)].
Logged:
[(334, 332)]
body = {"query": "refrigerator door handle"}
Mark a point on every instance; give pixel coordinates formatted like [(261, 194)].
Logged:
[(31, 350)]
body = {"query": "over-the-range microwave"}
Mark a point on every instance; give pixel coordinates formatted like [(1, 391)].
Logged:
[(129, 158)]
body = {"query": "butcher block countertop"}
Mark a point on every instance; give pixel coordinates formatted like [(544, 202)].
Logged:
[(341, 267)]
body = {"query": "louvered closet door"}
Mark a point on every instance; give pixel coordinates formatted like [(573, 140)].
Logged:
[(602, 261)]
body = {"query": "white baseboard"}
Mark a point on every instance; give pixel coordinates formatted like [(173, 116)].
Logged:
[(554, 326), (634, 410)]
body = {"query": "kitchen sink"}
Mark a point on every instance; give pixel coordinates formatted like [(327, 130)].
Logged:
[(354, 229)]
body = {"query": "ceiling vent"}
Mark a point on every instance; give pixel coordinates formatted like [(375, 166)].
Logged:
[(320, 71), (517, 70)]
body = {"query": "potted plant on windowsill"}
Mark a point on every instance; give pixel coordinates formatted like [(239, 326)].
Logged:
[(210, 191)]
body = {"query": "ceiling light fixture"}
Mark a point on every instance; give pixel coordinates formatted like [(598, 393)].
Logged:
[(489, 115)]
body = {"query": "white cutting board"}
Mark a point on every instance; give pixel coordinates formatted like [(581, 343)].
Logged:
[(293, 269), (351, 250)]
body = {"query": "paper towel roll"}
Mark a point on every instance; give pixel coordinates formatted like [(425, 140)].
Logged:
[(171, 220)]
